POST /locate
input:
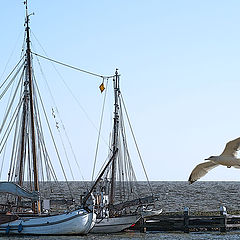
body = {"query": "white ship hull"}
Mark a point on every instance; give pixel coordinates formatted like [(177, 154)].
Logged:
[(76, 222), (116, 224)]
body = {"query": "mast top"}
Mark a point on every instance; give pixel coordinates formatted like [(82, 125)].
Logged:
[(26, 9), (26, 6)]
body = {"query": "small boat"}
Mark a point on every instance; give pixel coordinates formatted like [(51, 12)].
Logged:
[(114, 224), (25, 211), (72, 223), (119, 203)]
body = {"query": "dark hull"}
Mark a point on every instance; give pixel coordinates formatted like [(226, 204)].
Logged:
[(7, 218)]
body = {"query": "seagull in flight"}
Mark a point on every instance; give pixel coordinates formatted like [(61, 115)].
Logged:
[(228, 158)]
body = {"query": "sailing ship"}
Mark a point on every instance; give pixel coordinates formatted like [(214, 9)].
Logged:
[(119, 203), (25, 211)]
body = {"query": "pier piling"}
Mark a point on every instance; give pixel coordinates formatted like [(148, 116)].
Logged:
[(186, 219), (223, 220)]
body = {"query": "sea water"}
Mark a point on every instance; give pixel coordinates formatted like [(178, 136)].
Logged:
[(135, 236), (173, 197)]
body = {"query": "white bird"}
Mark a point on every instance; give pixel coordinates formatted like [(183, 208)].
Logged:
[(228, 158)]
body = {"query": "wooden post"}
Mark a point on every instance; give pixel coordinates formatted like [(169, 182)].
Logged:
[(186, 219), (223, 220), (142, 222)]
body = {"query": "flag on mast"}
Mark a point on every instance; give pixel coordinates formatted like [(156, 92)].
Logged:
[(101, 87)]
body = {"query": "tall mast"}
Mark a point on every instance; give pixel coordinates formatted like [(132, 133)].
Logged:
[(33, 137), (115, 136), (23, 134)]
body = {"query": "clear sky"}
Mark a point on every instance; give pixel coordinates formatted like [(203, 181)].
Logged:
[(179, 64)]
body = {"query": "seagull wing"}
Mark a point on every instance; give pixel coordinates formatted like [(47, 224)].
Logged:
[(201, 170), (232, 147)]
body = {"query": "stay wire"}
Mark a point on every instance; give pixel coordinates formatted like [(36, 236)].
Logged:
[(57, 111), (38, 131), (130, 174), (54, 143), (70, 91), (10, 105), (135, 141), (11, 54), (99, 131), (7, 111), (15, 139), (66, 155), (43, 147), (11, 72), (10, 82), (79, 104), (10, 125), (77, 101), (75, 68), (42, 138)]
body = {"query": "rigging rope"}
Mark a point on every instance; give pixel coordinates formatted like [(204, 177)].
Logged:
[(16, 111), (42, 147), (39, 134), (99, 132), (11, 53), (54, 143), (129, 170), (15, 138), (10, 105), (24, 44), (7, 111), (54, 102), (70, 91), (11, 81), (11, 72), (75, 68), (78, 102), (48, 163), (135, 141), (104, 164), (64, 148), (4, 153)]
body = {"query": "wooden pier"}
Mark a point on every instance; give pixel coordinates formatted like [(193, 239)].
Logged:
[(185, 222)]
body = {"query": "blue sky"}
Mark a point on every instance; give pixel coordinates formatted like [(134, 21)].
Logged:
[(179, 65)]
